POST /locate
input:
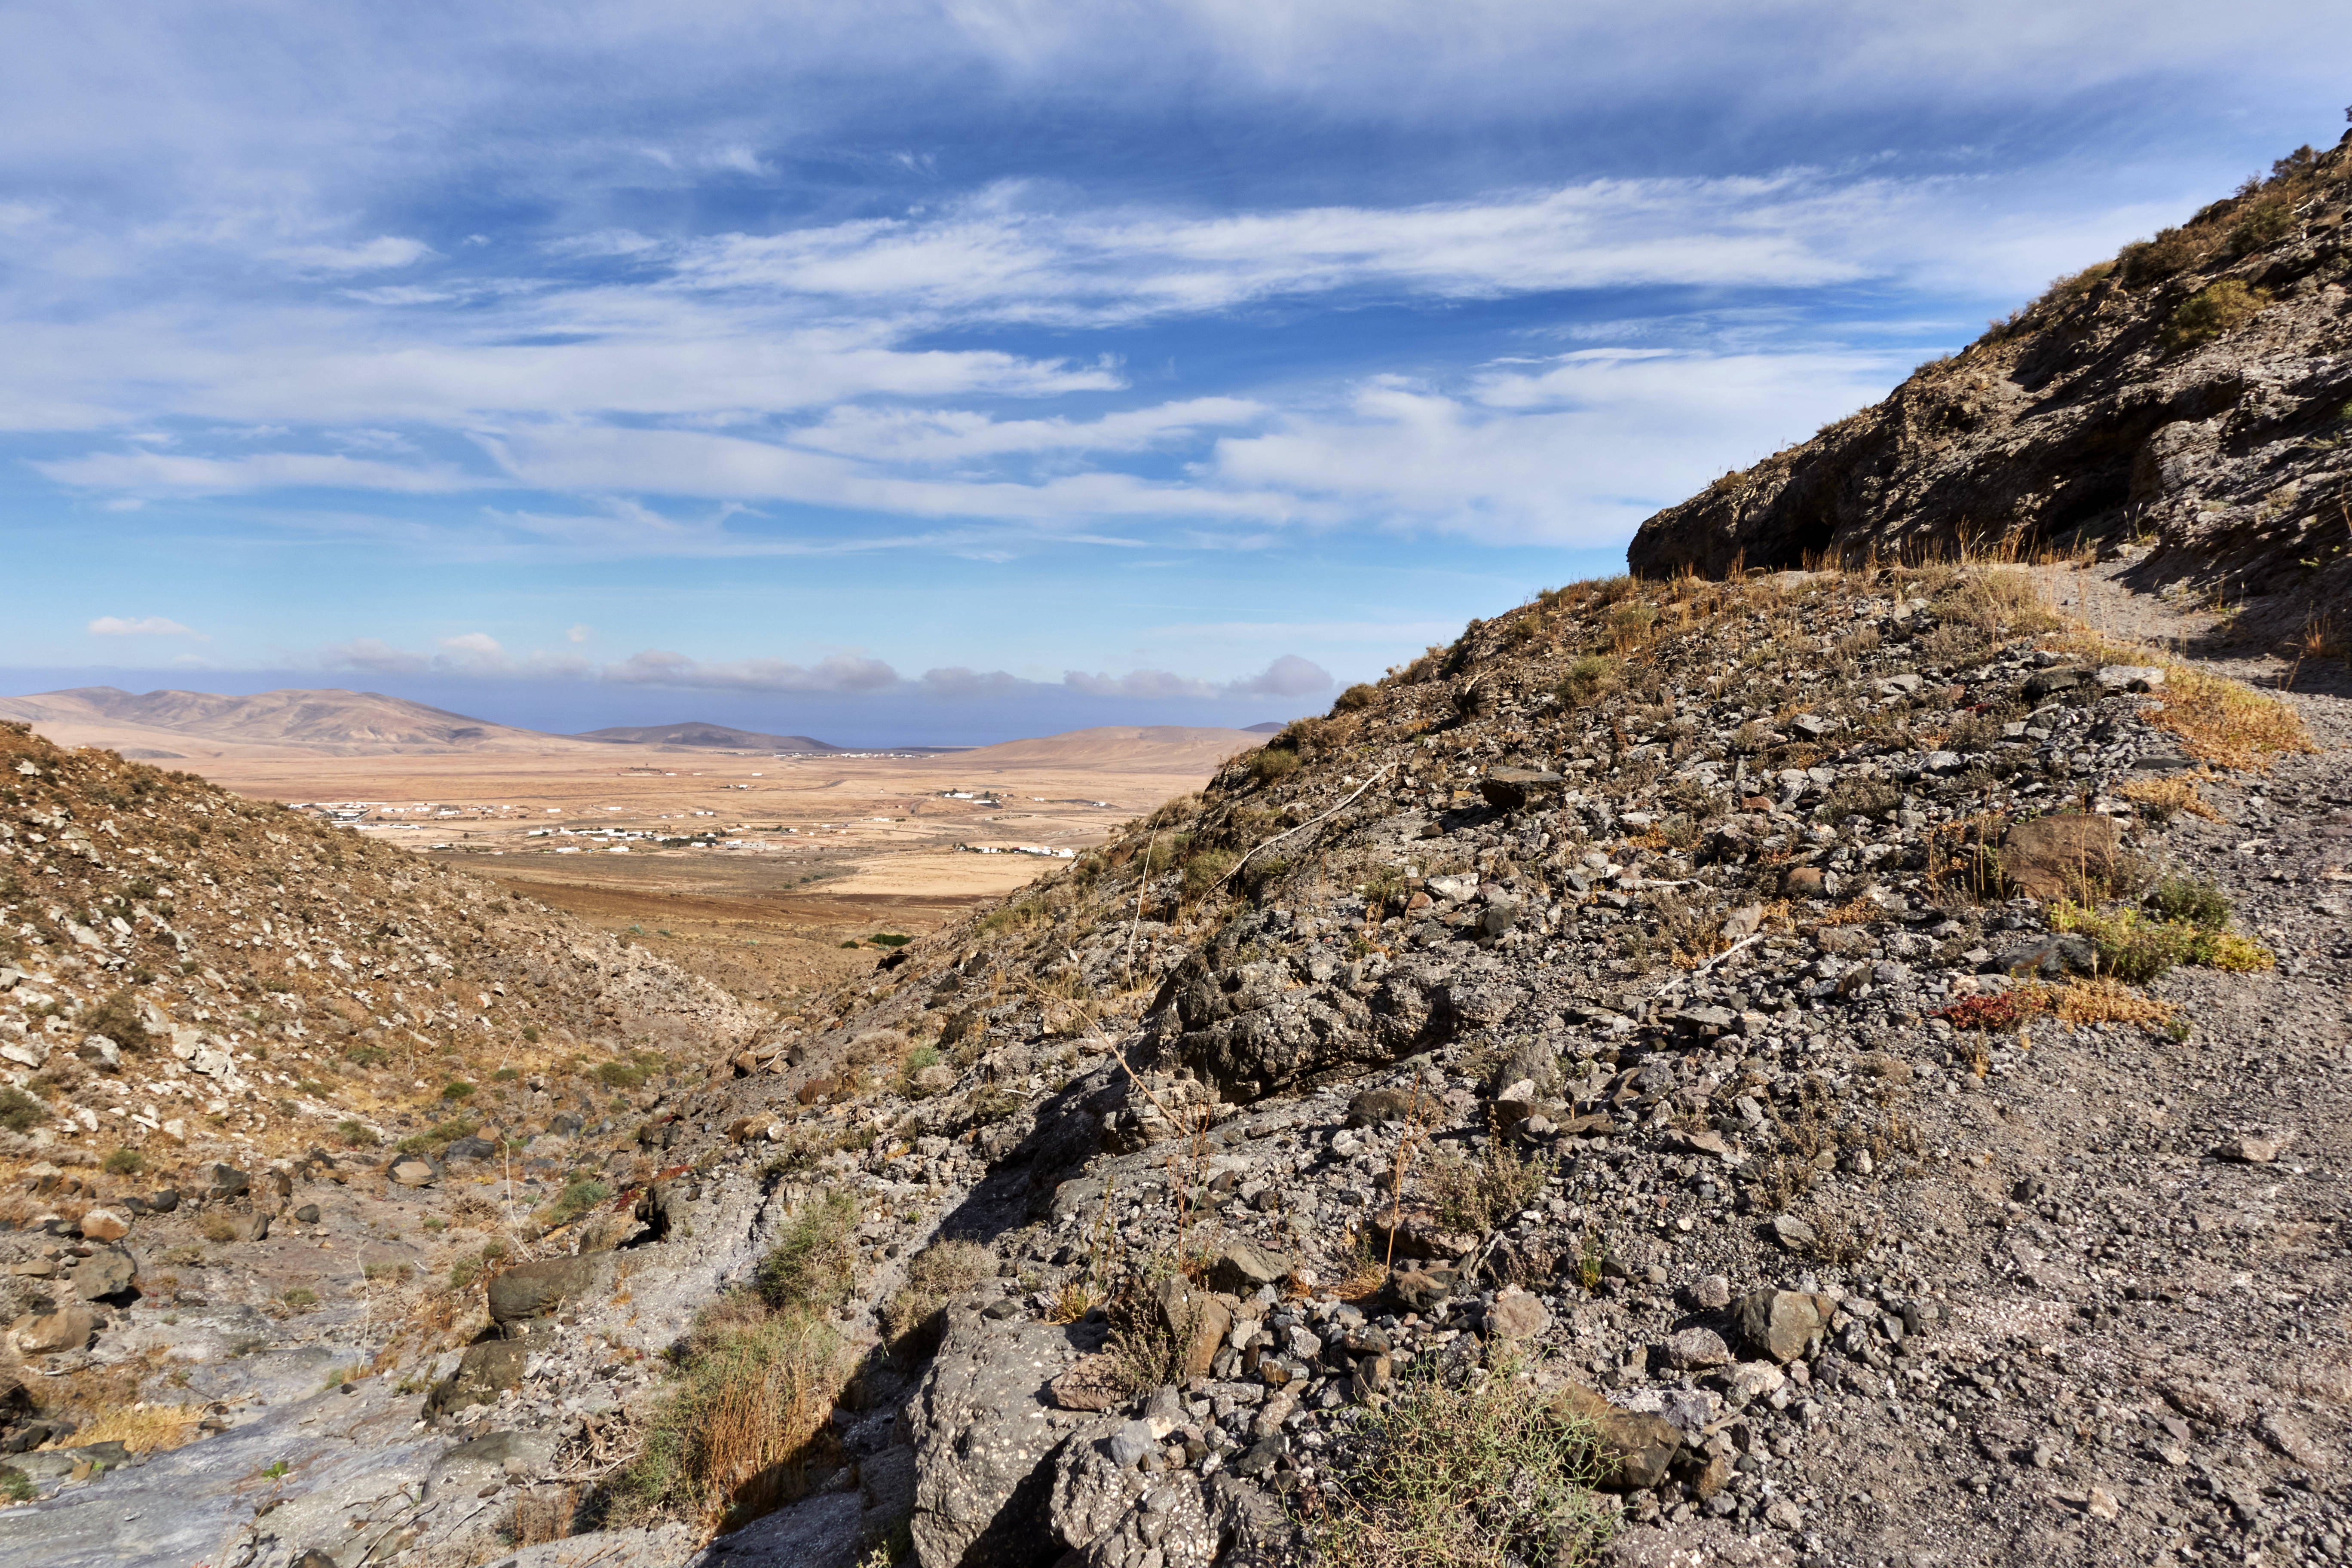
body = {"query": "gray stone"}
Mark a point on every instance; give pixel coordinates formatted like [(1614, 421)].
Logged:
[(982, 1432), (1192, 1319), (1711, 1293), (535, 1289), (1113, 1515), (490, 1459), (1244, 1266), (1515, 1315), (483, 1373), (67, 1329), (106, 1272), (1130, 1442), (1697, 1349), (2048, 958), (1782, 1324), (1509, 789)]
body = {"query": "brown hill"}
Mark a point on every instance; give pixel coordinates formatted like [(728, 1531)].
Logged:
[(697, 734), (2183, 405), (1115, 748), (326, 723)]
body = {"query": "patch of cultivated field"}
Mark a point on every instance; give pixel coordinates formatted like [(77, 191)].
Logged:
[(752, 870)]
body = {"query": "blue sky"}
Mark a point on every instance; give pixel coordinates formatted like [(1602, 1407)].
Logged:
[(942, 371)]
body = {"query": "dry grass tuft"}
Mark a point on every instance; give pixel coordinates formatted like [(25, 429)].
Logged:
[(2167, 798), (915, 1316), (2218, 721), (151, 1429), (1474, 1472)]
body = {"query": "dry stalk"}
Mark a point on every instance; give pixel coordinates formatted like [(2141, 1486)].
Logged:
[(1386, 768)]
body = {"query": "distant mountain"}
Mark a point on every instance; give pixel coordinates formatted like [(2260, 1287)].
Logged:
[(1271, 727), (715, 737), (328, 722)]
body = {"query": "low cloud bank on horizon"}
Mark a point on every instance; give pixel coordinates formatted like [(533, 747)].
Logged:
[(1196, 353), (477, 655)]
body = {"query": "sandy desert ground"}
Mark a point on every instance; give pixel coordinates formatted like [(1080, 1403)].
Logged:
[(771, 864)]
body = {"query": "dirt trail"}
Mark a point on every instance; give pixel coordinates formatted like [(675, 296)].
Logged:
[(2148, 1265)]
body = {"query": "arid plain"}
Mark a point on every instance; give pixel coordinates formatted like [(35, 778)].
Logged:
[(750, 868)]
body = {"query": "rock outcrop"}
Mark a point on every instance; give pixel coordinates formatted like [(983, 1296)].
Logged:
[(2185, 403)]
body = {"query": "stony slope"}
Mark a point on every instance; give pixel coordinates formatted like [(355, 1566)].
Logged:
[(1614, 999), (2185, 403), (222, 1025)]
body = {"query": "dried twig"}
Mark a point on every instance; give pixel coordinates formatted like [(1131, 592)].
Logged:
[(1386, 769)]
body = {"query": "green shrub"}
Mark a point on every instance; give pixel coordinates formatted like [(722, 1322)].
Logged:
[(1477, 1195), (919, 1059), (2261, 226), (2199, 903), (2172, 250), (367, 1056), (299, 1297), (456, 1089), (357, 1135), (119, 1019), (1356, 696), (125, 1163), (1474, 1470), (19, 1112), (625, 1075), (2136, 949), (1269, 763), (812, 1266), (2213, 311), (1205, 870), (1588, 680), (575, 1200), (890, 939)]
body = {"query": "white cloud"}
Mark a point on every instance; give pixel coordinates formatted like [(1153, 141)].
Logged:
[(933, 436), (580, 633), (1151, 685), (1575, 451), (838, 672), (1289, 676), (141, 627), (958, 684), (373, 654), (169, 473), (370, 256)]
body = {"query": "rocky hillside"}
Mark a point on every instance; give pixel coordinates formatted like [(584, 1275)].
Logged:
[(1883, 1080), (192, 975), (1816, 1068), (2188, 402)]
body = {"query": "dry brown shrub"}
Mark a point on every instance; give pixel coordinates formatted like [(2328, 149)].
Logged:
[(2166, 798), (2086, 1002)]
